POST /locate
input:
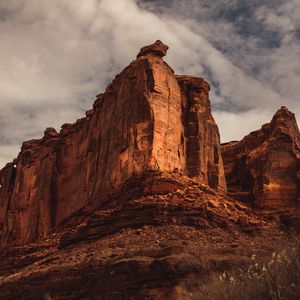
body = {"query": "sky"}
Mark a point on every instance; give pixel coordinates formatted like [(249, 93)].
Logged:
[(57, 55)]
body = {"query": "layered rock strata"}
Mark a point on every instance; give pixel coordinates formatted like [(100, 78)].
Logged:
[(161, 236), (264, 167), (147, 119)]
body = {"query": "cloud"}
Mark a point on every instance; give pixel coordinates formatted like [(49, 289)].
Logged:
[(230, 122), (58, 55)]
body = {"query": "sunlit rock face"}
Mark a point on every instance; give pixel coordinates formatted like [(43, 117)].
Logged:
[(147, 119), (263, 168)]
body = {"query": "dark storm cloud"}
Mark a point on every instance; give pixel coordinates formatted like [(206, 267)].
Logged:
[(57, 55)]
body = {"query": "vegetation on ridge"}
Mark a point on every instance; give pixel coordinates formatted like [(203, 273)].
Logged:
[(276, 279)]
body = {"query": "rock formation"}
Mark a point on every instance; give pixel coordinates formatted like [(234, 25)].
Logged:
[(264, 167), (147, 119), (203, 154), (130, 201), (161, 236)]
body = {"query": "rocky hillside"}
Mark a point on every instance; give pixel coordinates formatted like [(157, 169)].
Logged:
[(131, 202)]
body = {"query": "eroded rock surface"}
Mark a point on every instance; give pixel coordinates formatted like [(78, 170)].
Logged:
[(161, 236), (147, 119), (263, 168), (157, 49)]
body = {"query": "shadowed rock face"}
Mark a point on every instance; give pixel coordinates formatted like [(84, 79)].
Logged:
[(147, 119), (161, 236), (203, 153), (263, 168)]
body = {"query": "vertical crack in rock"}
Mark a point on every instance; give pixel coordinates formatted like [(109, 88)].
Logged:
[(53, 194)]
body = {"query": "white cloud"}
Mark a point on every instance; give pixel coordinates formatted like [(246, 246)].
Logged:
[(238, 124), (5, 153)]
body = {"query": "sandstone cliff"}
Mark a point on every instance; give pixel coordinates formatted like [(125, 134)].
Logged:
[(130, 202), (264, 167), (147, 119), (161, 236)]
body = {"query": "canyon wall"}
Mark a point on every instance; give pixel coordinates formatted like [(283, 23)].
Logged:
[(147, 119), (264, 168), (203, 152)]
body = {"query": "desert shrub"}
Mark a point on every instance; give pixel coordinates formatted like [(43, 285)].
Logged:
[(278, 278)]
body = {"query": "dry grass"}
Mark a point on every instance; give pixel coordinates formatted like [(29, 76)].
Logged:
[(278, 278)]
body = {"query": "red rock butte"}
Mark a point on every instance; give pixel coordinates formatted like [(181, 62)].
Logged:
[(139, 200), (147, 119)]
